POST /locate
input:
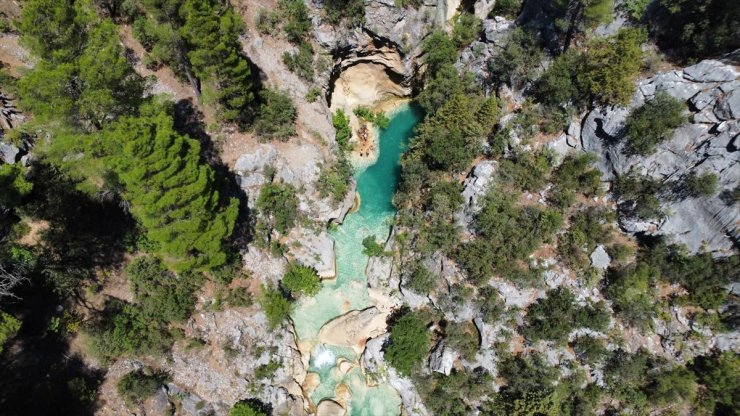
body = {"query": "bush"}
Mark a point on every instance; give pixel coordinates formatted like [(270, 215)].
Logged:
[(527, 373), (277, 115), (248, 408), (697, 186), (639, 196), (352, 11), (421, 280), (518, 62), (630, 290), (139, 385), (301, 61), (466, 29), (300, 279), (408, 343), (506, 8), (275, 305), (575, 174), (720, 375), (239, 297), (340, 121), (526, 170), (555, 316), (371, 247), (378, 118), (9, 326), (296, 21), (161, 295), (463, 338), (588, 229), (334, 180), (278, 204), (652, 123), (266, 21), (673, 386), (589, 350), (439, 50), (490, 303)]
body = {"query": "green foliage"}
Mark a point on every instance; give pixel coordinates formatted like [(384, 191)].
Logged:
[(517, 63), (313, 94), (53, 29), (371, 247), (334, 180), (126, 329), (637, 8), (555, 316), (138, 385), (506, 233), (452, 137), (246, 409), (340, 121), (408, 343), (301, 61), (527, 373), (449, 395), (638, 194), (589, 350), (301, 279), (239, 297), (575, 174), (463, 338), (631, 292), (267, 21), (588, 229), (277, 115), (526, 170), (698, 28), (466, 29), (720, 375), (275, 305), (296, 21), (278, 204), (378, 118), (13, 185), (702, 185), (161, 295), (211, 29), (704, 277), (672, 386), (438, 50), (9, 326), (172, 193), (604, 73), (266, 371), (444, 84), (653, 122), (351, 11), (490, 303), (421, 280), (506, 8)]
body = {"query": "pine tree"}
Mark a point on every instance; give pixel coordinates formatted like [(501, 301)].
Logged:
[(212, 33), (171, 192)]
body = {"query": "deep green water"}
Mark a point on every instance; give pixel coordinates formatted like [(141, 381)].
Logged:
[(376, 185)]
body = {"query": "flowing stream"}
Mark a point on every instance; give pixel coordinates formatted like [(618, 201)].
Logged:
[(376, 185)]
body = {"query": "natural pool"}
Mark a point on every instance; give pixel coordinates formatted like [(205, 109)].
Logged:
[(376, 185)]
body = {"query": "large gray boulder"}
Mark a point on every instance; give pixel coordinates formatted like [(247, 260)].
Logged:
[(442, 359)]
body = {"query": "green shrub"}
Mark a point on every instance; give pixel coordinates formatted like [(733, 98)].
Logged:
[(340, 121), (277, 114), (490, 303), (439, 50), (247, 408), (526, 170), (520, 58), (266, 371), (588, 229), (313, 94), (334, 180), (137, 386), (351, 11), (275, 305), (719, 373), (555, 316), (506, 8), (672, 386), (371, 247), (653, 122), (631, 292), (267, 21), (421, 280), (589, 350), (301, 61), (574, 174), (295, 18), (697, 186), (9, 326), (408, 343), (278, 205), (466, 29), (463, 338), (301, 279), (161, 295), (377, 118), (639, 195), (527, 373), (239, 297)]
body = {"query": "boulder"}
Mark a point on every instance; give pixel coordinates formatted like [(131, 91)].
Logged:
[(728, 107), (9, 153), (442, 359), (373, 359), (328, 407), (710, 70), (353, 329), (496, 29), (312, 249), (600, 258)]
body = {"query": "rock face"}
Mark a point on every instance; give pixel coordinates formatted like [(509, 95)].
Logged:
[(707, 144), (329, 408), (313, 250), (600, 259), (475, 187)]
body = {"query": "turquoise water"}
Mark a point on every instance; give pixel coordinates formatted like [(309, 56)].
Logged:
[(376, 185)]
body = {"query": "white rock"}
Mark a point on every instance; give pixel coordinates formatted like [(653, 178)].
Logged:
[(442, 359)]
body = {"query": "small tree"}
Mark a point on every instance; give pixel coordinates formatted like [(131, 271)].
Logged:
[(408, 343), (652, 123), (278, 204), (702, 185), (301, 279), (138, 385), (277, 115), (275, 305), (247, 408)]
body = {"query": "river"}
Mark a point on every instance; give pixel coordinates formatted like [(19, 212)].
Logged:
[(376, 185)]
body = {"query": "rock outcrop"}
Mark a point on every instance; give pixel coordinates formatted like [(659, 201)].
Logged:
[(707, 144), (353, 329)]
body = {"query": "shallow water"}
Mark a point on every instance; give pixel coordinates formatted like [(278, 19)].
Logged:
[(376, 185)]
